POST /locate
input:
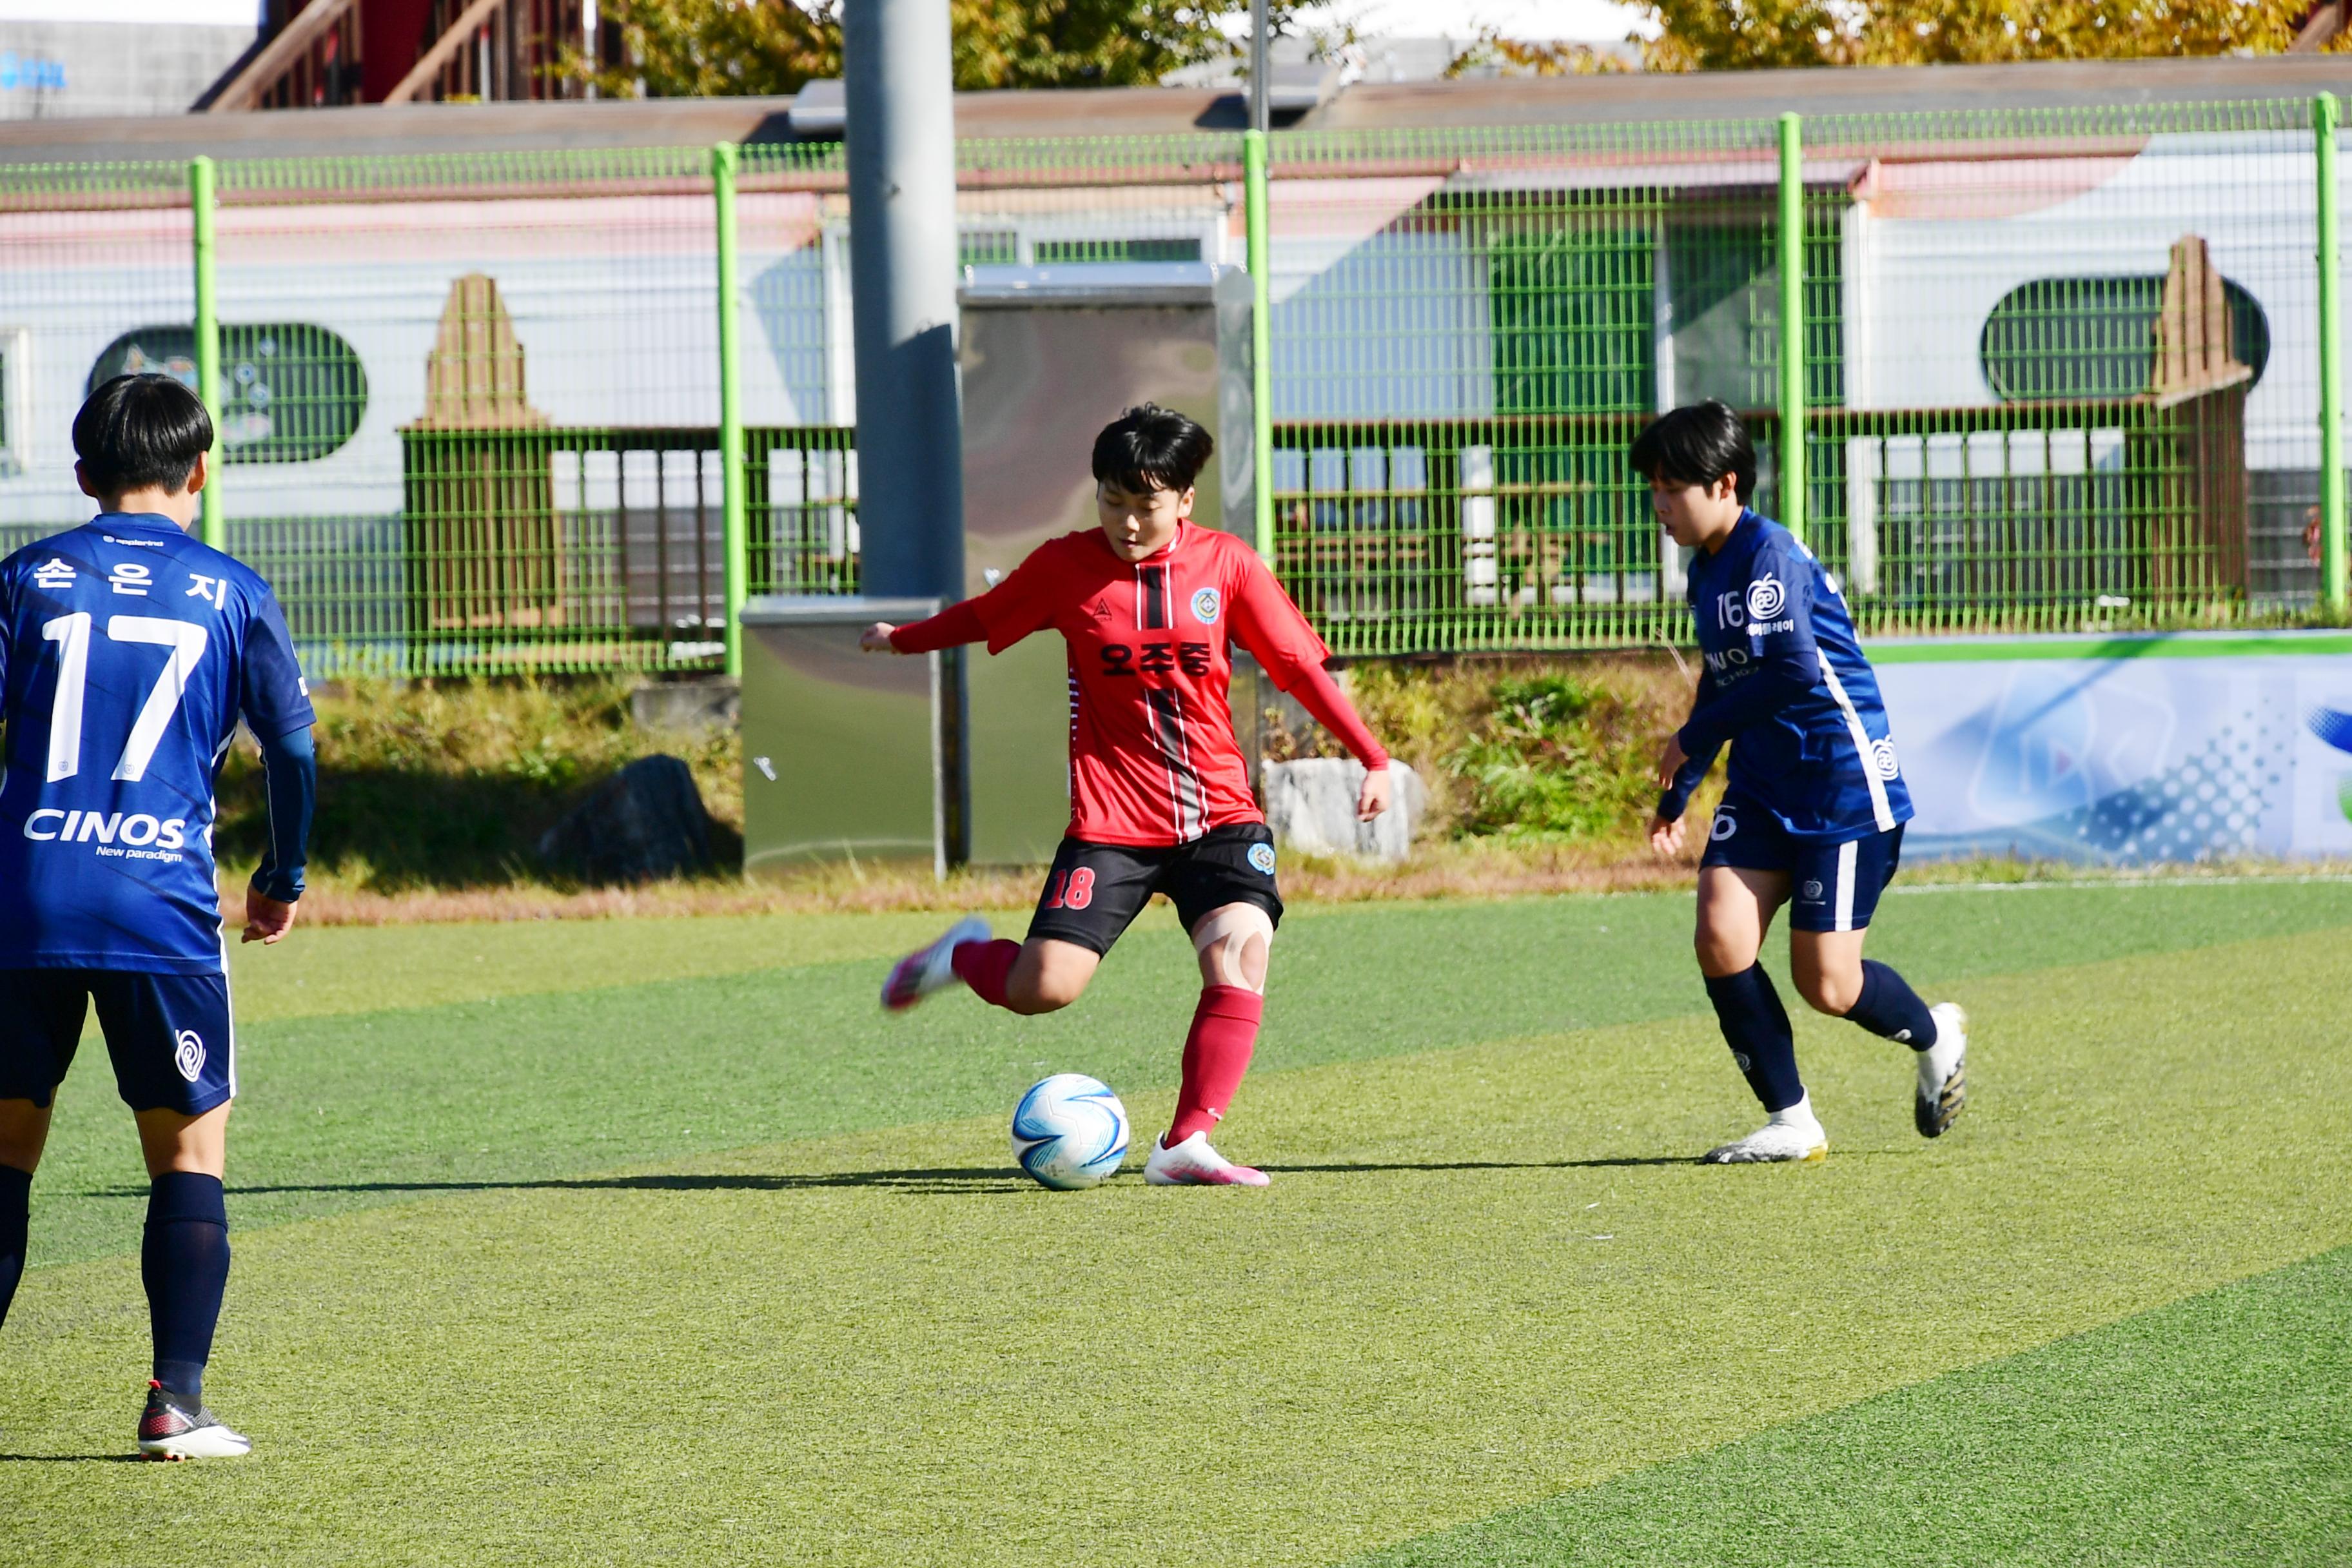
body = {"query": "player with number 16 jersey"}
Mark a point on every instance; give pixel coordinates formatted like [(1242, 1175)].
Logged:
[(1813, 814)]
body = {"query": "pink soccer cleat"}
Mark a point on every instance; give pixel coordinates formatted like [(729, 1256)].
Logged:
[(1192, 1164), (930, 969)]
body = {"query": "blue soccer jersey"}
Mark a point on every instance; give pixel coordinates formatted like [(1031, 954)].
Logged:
[(1787, 687), (128, 650)]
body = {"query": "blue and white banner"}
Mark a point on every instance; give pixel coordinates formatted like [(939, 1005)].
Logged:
[(2152, 756)]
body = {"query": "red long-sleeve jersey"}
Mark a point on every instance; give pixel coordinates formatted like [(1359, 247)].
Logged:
[(1153, 758)]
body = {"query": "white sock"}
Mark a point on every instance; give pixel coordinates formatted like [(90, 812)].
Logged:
[(1798, 1115)]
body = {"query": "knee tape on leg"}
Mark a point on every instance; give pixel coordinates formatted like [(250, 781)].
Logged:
[(1236, 934)]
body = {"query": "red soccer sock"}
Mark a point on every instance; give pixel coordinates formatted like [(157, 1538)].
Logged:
[(985, 966), (1216, 1055)]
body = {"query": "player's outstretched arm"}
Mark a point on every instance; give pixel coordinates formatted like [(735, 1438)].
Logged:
[(951, 627), (1321, 697), (1270, 626)]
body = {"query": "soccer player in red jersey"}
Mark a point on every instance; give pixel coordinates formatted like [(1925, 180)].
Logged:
[(1160, 792)]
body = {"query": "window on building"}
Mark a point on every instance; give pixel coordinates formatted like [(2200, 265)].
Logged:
[(290, 391), (1079, 252), (1723, 279), (988, 247), (2095, 337)]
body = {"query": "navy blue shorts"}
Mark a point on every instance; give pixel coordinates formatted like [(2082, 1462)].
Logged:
[(170, 1035), (1832, 886)]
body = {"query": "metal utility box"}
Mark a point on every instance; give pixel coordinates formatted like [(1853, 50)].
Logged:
[(846, 754), (1050, 355)]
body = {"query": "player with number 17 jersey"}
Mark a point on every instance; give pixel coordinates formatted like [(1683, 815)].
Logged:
[(128, 650)]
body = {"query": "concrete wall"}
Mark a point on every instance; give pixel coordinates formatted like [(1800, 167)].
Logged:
[(58, 70)]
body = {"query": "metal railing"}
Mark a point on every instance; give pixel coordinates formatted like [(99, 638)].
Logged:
[(563, 410)]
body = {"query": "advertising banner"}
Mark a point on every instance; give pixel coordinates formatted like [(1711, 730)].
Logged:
[(2126, 751)]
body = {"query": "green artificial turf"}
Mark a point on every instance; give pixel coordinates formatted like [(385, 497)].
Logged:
[(2214, 1430), (376, 1064), (729, 1268)]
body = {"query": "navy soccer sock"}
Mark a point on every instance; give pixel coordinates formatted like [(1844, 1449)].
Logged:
[(184, 1263), (1888, 1006), (15, 1222), (1755, 1027)]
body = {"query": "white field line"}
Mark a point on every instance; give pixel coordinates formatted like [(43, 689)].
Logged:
[(2113, 882)]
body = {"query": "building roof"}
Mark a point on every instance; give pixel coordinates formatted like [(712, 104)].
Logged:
[(1139, 112)]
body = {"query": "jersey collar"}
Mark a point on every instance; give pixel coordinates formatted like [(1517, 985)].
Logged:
[(1165, 552), (154, 520)]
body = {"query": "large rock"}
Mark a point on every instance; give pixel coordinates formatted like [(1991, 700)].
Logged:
[(1311, 806), (645, 821)]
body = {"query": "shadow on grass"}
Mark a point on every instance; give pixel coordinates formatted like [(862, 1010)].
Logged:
[(960, 1179), (74, 1460), (1485, 1165), (942, 1181), (421, 827)]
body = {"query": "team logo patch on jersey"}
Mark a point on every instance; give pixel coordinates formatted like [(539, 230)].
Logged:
[(1882, 758), (189, 1057), (1262, 857), (1765, 598), (1813, 894), (1726, 825), (1207, 605)]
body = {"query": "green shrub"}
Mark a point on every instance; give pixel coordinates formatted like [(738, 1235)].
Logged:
[(1539, 751), (1556, 758)]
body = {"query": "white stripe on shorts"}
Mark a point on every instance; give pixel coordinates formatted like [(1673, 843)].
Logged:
[(1846, 854)]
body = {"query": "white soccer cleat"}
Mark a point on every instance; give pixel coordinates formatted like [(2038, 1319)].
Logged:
[(1192, 1164), (173, 1428), (930, 969), (1794, 1133), (1943, 1089)]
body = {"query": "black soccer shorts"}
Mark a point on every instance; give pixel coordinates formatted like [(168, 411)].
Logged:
[(1832, 887), (1095, 890), (170, 1034)]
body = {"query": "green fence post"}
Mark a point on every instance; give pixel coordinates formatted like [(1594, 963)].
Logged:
[(2324, 116), (723, 161), (202, 205), (1261, 343), (1792, 326)]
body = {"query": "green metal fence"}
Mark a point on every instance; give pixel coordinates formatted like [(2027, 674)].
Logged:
[(540, 412)]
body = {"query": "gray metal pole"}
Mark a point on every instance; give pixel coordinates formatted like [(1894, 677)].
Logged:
[(1259, 87), (902, 281)]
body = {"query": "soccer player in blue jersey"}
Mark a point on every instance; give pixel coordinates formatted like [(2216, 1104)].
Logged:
[(128, 652), (1813, 811)]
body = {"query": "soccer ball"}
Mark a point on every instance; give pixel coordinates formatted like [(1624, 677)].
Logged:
[(1070, 1132)]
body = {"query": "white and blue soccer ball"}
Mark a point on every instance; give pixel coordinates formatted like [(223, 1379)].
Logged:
[(1070, 1132)]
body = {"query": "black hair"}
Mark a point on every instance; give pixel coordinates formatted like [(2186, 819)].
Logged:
[(1697, 444), (141, 430), (1152, 448)]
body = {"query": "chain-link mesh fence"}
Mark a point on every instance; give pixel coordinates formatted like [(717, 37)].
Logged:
[(2061, 370)]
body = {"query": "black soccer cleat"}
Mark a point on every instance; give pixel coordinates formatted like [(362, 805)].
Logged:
[(172, 1428)]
